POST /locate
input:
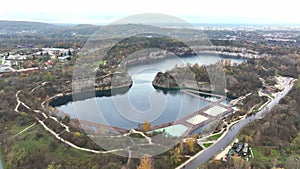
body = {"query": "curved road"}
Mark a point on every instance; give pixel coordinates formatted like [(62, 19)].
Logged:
[(232, 133)]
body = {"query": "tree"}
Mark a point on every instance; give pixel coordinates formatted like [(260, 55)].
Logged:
[(69, 52), (77, 134), (48, 76), (175, 156), (146, 126), (145, 163), (47, 99), (24, 155), (191, 144), (248, 139), (238, 163), (66, 119), (291, 162), (54, 166), (296, 141)]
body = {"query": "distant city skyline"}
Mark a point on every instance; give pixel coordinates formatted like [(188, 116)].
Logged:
[(193, 11)]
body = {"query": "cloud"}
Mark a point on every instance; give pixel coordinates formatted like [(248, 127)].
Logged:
[(95, 11)]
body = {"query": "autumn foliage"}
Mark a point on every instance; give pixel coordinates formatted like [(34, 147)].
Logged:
[(145, 163), (146, 126)]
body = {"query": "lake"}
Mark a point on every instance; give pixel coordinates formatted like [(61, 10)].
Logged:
[(143, 102)]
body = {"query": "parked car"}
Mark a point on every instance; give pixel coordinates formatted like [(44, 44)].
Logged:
[(239, 148), (235, 145), (245, 149)]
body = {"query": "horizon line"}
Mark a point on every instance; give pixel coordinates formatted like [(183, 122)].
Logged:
[(192, 23)]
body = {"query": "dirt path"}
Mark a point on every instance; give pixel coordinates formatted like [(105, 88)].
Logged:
[(57, 136), (27, 128)]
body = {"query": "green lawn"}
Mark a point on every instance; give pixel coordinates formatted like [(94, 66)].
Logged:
[(275, 153), (206, 145), (15, 129), (39, 144), (214, 137)]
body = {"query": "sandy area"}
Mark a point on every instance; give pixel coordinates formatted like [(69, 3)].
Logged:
[(216, 110), (197, 119)]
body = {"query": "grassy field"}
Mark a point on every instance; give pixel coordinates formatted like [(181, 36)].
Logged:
[(40, 147), (207, 144), (214, 137), (268, 155)]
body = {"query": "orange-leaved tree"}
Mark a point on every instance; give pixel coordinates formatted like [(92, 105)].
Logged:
[(145, 163), (146, 126)]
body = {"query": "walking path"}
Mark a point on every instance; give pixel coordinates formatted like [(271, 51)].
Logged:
[(54, 133), (57, 135), (193, 162), (27, 128), (206, 154), (44, 83)]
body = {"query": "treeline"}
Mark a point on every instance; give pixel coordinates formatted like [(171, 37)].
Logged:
[(36, 148), (24, 34), (240, 80), (275, 138)]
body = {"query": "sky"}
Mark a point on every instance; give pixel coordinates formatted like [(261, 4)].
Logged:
[(192, 11)]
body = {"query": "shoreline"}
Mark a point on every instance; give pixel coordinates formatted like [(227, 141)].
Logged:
[(209, 93), (64, 98), (226, 55), (221, 55), (87, 94), (220, 51)]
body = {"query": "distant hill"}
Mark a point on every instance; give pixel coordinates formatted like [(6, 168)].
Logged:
[(11, 27), (17, 26), (24, 25), (63, 35)]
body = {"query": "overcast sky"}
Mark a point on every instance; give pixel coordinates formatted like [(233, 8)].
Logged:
[(194, 11)]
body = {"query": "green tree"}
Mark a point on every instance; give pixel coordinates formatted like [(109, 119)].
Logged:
[(52, 165), (175, 156), (69, 52), (296, 141), (48, 76)]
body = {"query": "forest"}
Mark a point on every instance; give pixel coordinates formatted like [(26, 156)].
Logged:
[(274, 138), (240, 79)]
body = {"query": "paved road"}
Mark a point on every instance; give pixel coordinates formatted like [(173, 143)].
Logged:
[(232, 133)]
